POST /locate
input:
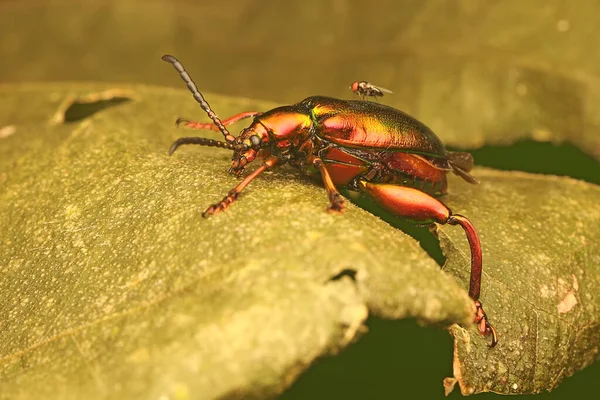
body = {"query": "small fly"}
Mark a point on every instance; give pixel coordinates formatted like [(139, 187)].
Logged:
[(366, 89)]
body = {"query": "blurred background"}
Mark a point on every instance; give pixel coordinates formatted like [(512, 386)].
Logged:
[(521, 78)]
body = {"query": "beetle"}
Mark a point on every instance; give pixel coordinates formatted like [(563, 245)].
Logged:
[(360, 146), (366, 89)]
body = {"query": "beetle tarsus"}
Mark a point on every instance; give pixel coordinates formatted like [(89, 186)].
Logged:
[(483, 324), (235, 192), (222, 205), (337, 203), (179, 121), (209, 211)]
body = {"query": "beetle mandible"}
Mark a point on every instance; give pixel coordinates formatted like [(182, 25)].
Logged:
[(357, 145)]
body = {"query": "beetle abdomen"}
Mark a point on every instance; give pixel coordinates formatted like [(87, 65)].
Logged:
[(426, 174)]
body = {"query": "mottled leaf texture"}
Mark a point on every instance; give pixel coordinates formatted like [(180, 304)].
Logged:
[(541, 282), (114, 286)]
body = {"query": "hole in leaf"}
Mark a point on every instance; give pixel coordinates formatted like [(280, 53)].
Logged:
[(84, 109), (541, 158), (346, 272)]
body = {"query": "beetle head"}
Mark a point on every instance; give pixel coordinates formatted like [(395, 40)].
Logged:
[(247, 145)]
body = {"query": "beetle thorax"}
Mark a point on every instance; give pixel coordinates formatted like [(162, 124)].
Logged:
[(287, 128)]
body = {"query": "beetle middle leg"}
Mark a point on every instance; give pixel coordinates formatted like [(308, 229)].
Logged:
[(336, 201), (419, 207), (207, 125), (235, 192)]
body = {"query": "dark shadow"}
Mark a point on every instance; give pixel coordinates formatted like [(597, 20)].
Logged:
[(541, 158), (82, 110), (395, 359), (402, 360)]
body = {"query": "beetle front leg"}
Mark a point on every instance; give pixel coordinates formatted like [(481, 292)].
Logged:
[(419, 207), (235, 192), (206, 125), (336, 201)]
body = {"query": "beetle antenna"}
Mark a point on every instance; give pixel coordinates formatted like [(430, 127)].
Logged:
[(229, 138), (200, 141)]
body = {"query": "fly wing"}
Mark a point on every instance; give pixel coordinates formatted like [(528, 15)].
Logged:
[(384, 90)]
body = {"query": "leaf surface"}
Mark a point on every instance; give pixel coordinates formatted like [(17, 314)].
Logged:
[(541, 246), (113, 285)]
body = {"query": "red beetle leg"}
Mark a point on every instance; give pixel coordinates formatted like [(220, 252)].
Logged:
[(485, 328), (336, 201), (235, 192), (406, 202), (205, 125), (419, 207)]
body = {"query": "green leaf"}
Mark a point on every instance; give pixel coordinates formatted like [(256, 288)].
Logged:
[(113, 285), (541, 278)]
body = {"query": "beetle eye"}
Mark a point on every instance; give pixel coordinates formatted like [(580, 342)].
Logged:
[(255, 140)]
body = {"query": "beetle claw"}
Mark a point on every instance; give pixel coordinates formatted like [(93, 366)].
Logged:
[(485, 328), (209, 211), (336, 203), (181, 121), (335, 210)]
